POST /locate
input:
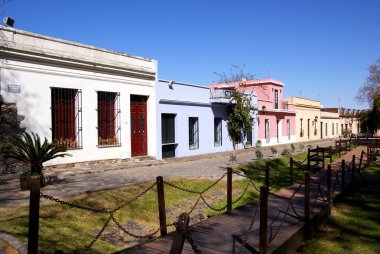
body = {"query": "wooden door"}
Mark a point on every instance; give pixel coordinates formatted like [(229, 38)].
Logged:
[(138, 125)]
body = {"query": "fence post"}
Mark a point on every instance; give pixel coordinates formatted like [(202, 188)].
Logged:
[(263, 244), (291, 170), (361, 161), (161, 205), (331, 154), (323, 157), (34, 216), (266, 174), (229, 189), (307, 204), (308, 159), (329, 193), (343, 174), (353, 168), (180, 234)]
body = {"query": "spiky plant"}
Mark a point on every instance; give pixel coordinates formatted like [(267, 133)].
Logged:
[(29, 149)]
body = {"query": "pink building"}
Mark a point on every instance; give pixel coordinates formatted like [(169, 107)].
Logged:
[(276, 118)]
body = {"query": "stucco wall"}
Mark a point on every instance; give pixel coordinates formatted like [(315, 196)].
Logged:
[(35, 77), (186, 101)]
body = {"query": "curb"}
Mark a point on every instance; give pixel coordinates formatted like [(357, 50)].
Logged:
[(14, 244)]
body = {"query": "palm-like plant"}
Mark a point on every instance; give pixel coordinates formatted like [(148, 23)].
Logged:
[(29, 149)]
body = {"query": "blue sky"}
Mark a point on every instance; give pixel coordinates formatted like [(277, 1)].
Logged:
[(321, 49)]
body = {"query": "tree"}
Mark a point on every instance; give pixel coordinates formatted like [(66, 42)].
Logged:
[(29, 149), (239, 119), (370, 120), (370, 91)]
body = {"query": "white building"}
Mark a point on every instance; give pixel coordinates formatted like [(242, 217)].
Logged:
[(99, 102)]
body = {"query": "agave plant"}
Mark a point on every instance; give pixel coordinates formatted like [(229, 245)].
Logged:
[(29, 149)]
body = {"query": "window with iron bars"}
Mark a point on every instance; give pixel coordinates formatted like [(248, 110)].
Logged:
[(108, 119), (66, 107)]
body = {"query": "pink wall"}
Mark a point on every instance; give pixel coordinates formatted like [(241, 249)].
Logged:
[(265, 90), (273, 117)]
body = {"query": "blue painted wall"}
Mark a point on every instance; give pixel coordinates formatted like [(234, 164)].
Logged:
[(186, 101)]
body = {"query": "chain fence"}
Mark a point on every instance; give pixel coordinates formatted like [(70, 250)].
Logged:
[(275, 225), (108, 212)]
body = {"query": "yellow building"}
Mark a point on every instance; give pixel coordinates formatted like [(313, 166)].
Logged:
[(308, 116), (329, 124)]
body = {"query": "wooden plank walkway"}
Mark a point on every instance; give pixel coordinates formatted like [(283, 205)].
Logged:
[(225, 233)]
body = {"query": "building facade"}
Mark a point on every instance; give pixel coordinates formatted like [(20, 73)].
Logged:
[(329, 125), (349, 120), (192, 120), (276, 117), (308, 117), (100, 103)]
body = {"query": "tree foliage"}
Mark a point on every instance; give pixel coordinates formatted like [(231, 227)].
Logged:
[(370, 91), (239, 119), (370, 120), (29, 149)]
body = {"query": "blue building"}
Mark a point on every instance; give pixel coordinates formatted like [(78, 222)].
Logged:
[(192, 120)]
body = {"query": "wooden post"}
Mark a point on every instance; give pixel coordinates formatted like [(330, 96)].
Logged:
[(329, 193), (267, 174), (307, 204), (353, 169), (343, 174), (180, 234), (308, 159), (229, 189), (291, 171), (263, 242), (331, 153), (323, 158), (361, 161), (34, 217), (161, 205)]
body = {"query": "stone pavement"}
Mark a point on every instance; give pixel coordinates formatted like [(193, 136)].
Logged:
[(82, 179)]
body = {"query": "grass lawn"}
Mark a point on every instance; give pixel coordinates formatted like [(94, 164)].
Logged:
[(70, 229), (354, 225)]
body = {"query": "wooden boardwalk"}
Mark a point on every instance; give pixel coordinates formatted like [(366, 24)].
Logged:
[(225, 233)]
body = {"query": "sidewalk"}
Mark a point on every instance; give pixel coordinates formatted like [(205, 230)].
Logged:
[(87, 178)]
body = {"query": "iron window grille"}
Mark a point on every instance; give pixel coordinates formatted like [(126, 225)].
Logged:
[(109, 130), (276, 99), (267, 129), (288, 128), (66, 107), (193, 133), (217, 131)]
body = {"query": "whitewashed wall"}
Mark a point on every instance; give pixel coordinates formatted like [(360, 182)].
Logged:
[(37, 70)]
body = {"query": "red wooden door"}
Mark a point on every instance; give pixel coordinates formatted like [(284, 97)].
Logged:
[(138, 126)]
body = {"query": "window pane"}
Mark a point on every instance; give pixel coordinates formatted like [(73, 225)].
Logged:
[(193, 133), (217, 131), (168, 128), (107, 118), (65, 112)]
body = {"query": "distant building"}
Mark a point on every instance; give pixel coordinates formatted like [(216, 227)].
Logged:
[(192, 120), (100, 103), (349, 120), (276, 117), (308, 117)]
